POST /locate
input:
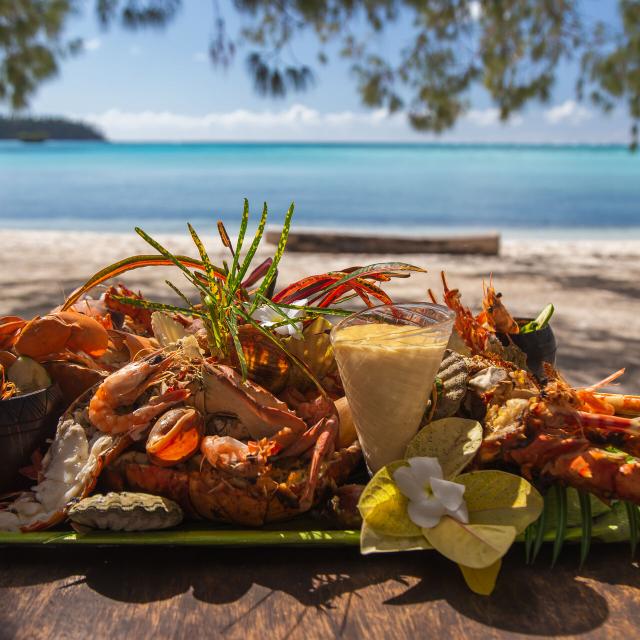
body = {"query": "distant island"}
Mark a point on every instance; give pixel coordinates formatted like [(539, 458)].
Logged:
[(40, 129)]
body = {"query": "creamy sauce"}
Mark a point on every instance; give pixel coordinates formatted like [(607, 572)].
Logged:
[(387, 372)]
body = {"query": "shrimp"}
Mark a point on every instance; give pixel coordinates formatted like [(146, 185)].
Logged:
[(123, 388), (494, 314)]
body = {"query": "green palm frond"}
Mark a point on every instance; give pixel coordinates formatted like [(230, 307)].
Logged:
[(586, 516), (561, 521), (529, 539), (540, 528), (634, 521)]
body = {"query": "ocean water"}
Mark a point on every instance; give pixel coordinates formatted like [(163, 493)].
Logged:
[(379, 188)]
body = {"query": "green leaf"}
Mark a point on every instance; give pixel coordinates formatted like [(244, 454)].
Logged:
[(159, 306), (282, 243), (169, 256), (574, 510), (255, 244), (233, 330), (384, 507), (632, 517), (453, 441), (373, 542), (234, 280), (613, 526), (540, 322), (209, 270), (473, 545), (561, 521), (541, 527), (497, 497), (321, 311), (482, 581), (179, 293), (585, 541), (529, 538)]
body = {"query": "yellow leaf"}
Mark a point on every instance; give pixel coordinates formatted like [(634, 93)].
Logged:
[(473, 545), (496, 497), (453, 441), (373, 542), (384, 508), (481, 581)]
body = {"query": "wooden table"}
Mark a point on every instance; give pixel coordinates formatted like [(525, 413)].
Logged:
[(302, 593)]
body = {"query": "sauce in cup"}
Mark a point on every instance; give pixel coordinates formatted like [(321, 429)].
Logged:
[(388, 357)]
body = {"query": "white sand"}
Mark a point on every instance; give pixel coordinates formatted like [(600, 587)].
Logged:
[(595, 286)]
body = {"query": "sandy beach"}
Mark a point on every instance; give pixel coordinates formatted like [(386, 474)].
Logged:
[(595, 286)]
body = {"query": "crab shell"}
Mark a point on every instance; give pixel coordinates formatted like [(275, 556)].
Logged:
[(70, 470), (206, 492)]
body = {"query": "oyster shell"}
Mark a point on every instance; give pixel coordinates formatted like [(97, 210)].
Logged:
[(126, 511)]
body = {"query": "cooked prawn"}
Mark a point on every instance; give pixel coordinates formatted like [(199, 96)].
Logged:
[(123, 388)]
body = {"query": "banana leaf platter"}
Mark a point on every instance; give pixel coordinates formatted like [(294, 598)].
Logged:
[(298, 533), (611, 526)]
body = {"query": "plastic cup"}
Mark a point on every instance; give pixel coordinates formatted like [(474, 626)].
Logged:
[(388, 357)]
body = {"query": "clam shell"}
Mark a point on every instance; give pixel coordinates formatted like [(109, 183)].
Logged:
[(126, 511), (453, 375)]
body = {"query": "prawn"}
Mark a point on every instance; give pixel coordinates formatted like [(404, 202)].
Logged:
[(123, 388)]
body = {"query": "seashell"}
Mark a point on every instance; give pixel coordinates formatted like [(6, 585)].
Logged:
[(315, 350), (267, 365), (166, 330), (453, 376), (126, 511)]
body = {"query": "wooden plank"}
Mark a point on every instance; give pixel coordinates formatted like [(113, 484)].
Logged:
[(295, 593), (341, 242)]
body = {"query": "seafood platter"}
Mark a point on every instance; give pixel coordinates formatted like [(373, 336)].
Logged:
[(317, 412)]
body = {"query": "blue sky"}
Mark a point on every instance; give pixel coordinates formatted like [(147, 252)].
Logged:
[(159, 85)]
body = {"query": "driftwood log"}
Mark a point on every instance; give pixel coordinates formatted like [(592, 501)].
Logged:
[(341, 242)]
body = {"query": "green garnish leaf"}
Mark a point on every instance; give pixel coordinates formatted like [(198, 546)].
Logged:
[(540, 322), (561, 521)]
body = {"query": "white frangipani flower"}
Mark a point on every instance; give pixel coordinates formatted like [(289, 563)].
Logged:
[(430, 496), (267, 317)]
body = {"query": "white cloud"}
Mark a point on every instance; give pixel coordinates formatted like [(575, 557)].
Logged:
[(483, 117), (92, 44), (490, 117), (200, 56), (568, 112), (475, 10), (298, 122)]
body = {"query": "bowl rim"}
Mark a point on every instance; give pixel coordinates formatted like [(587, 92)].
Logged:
[(24, 396)]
